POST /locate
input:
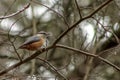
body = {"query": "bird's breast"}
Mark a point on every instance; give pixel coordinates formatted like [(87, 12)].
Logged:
[(35, 45)]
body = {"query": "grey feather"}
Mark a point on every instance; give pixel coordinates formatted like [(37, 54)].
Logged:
[(31, 40)]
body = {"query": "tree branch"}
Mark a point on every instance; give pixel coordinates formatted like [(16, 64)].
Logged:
[(80, 20), (78, 9), (16, 13), (54, 12), (89, 54), (59, 46), (52, 67)]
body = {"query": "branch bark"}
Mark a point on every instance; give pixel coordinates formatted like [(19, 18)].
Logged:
[(64, 47), (80, 20)]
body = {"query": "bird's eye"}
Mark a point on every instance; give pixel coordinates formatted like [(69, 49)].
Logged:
[(44, 33)]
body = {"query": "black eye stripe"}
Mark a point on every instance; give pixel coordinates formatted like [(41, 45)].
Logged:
[(43, 33)]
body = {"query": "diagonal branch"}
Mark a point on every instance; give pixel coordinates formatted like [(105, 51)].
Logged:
[(20, 63), (12, 42), (80, 20), (16, 13), (54, 12), (53, 67), (78, 9), (89, 54), (107, 30), (24, 61), (60, 46)]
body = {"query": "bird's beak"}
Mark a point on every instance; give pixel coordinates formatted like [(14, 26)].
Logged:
[(49, 34)]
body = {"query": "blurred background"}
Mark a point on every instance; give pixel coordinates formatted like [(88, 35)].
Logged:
[(97, 34)]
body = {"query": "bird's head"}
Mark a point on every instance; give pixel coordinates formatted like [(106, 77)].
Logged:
[(45, 34)]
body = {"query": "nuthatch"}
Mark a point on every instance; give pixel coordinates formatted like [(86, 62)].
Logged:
[(36, 42)]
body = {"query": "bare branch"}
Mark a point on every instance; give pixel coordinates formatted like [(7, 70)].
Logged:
[(59, 46), (53, 11), (51, 66), (16, 13), (89, 54), (80, 20), (115, 36), (78, 9), (24, 61), (12, 41)]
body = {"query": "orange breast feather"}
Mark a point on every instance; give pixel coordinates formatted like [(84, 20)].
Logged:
[(34, 45)]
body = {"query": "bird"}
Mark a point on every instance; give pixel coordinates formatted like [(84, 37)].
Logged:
[(36, 42)]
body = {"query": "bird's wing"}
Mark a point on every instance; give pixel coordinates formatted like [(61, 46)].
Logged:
[(31, 40)]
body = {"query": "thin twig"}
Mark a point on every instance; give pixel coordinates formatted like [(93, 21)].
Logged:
[(53, 68), (60, 46), (9, 8), (24, 61), (16, 13), (80, 20), (89, 54), (78, 9), (115, 36), (12, 41), (53, 11)]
